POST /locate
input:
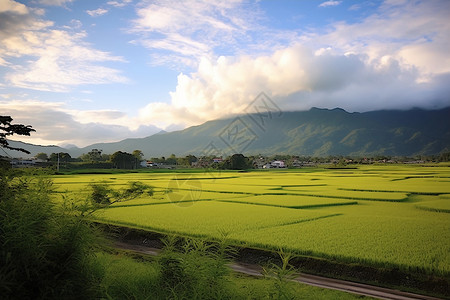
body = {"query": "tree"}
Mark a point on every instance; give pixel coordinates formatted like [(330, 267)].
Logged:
[(444, 156), (8, 129), (158, 160), (95, 154), (237, 162), (85, 157), (42, 156), (187, 161), (63, 157), (172, 160), (138, 155), (123, 160), (190, 159)]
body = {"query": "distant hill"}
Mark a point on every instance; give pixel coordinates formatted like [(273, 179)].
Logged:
[(317, 132), (34, 149)]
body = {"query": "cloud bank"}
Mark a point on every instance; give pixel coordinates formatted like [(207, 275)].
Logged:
[(57, 125), (393, 59)]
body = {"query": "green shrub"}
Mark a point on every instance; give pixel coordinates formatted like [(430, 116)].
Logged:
[(102, 194), (199, 271), (43, 249)]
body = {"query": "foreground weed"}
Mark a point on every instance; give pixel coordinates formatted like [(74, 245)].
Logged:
[(283, 275), (170, 242), (197, 272)]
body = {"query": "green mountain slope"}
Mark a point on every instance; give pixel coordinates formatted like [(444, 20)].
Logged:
[(317, 132), (34, 149)]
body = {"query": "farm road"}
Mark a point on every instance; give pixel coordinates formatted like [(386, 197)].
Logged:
[(319, 281)]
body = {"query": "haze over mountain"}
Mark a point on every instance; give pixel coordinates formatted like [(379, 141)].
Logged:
[(317, 132)]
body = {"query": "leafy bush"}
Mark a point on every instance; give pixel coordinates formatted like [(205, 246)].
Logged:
[(101, 193)]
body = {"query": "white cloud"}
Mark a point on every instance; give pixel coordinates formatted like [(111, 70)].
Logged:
[(330, 3), (189, 30), (355, 7), (414, 33), (13, 7), (52, 59), (57, 52), (378, 63), (295, 77), (75, 24), (55, 2), (97, 12), (55, 124), (119, 3)]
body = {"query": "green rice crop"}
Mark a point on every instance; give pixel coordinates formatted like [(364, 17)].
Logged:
[(206, 218), (406, 227), (165, 196), (351, 194), (441, 205), (389, 234), (291, 201)]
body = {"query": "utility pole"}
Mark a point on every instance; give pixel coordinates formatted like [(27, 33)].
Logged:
[(57, 166)]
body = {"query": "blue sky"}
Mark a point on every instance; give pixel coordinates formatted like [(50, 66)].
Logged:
[(83, 71)]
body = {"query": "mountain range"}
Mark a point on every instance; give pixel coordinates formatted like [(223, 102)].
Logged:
[(317, 132)]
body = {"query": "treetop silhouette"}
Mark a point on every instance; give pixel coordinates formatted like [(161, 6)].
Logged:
[(8, 129)]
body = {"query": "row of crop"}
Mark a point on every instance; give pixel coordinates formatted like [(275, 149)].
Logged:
[(441, 205), (305, 206), (411, 244), (260, 183), (332, 238), (389, 235), (289, 201), (207, 216)]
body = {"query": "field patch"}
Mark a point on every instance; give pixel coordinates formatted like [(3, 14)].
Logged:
[(364, 239), (290, 201), (181, 197), (399, 217), (206, 218), (441, 205), (344, 193)]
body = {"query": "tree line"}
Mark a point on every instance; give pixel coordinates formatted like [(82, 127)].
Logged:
[(124, 160), (95, 158)]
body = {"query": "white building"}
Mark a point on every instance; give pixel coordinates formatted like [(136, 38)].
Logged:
[(278, 164)]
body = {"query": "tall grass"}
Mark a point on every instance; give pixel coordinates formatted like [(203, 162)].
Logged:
[(44, 249), (177, 274)]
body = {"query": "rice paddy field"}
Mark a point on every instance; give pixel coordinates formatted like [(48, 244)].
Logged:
[(395, 216)]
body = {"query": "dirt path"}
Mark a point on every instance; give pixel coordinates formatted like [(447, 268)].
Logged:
[(319, 281)]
